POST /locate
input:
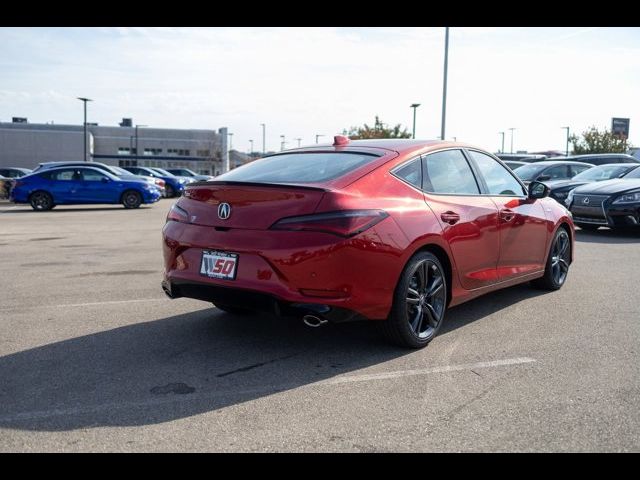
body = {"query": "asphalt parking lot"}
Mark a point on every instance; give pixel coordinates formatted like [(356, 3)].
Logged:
[(94, 357)]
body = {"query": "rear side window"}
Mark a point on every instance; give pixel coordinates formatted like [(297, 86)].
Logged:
[(448, 172), (66, 175), (411, 173), (299, 167)]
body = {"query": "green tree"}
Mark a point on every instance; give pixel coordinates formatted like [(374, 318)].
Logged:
[(379, 130), (593, 140)]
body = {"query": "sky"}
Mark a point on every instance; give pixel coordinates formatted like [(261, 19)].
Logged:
[(306, 81)]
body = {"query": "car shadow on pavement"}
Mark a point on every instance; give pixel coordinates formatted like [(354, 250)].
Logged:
[(185, 365), (607, 235), (176, 367), (488, 304)]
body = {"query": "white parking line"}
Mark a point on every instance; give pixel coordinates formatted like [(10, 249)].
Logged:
[(425, 371), (88, 304), (272, 389)]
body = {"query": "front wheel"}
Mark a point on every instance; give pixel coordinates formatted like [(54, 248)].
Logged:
[(131, 199), (557, 266), (419, 303)]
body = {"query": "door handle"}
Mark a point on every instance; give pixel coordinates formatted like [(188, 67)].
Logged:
[(450, 217), (507, 215)]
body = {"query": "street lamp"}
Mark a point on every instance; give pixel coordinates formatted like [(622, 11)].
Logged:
[(298, 139), (317, 136), (230, 140), (85, 100), (251, 151), (414, 106), (512, 129), (502, 149), (264, 128), (567, 151), (444, 82), (137, 126), (282, 142)]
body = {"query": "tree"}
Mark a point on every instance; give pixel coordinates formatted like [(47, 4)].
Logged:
[(593, 140), (378, 131)]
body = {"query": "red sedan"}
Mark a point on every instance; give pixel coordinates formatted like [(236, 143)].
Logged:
[(389, 230)]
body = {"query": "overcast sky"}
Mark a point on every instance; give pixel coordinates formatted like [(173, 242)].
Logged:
[(307, 81)]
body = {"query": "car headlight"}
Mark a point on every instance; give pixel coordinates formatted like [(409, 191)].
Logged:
[(569, 199), (633, 197)]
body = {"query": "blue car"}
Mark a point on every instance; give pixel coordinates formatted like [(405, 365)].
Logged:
[(174, 186), (80, 185)]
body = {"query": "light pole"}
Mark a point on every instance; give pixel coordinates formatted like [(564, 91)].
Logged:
[(230, 140), (251, 151), (444, 83), (318, 136), (502, 149), (138, 151), (414, 106), (282, 142), (512, 129), (299, 140), (85, 100), (264, 149), (567, 150)]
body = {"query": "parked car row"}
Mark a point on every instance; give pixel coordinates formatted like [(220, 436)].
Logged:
[(72, 183)]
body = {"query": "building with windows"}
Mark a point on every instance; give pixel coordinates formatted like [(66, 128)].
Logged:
[(24, 144)]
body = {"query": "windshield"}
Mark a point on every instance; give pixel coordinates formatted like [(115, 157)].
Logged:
[(603, 172), (163, 172), (635, 173), (299, 167), (529, 172)]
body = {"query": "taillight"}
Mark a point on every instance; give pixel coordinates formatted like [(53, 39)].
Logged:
[(159, 182), (177, 214), (345, 223)]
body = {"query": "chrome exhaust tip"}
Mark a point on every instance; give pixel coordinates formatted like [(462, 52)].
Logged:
[(313, 321), (167, 291)]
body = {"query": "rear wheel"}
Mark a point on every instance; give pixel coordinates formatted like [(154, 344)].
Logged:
[(557, 267), (419, 304), (588, 226), (41, 201), (131, 199), (232, 310)]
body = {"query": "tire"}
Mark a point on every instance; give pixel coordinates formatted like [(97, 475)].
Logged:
[(41, 201), (169, 191), (232, 310), (417, 315), (131, 199), (588, 226), (557, 266)]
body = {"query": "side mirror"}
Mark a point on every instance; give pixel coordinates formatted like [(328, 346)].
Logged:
[(538, 190), (105, 179), (543, 178)]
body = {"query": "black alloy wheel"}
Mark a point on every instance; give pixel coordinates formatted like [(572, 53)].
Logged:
[(131, 199), (420, 303), (558, 261), (41, 201)]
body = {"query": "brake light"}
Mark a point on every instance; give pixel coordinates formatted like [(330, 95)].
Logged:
[(177, 214), (345, 223), (159, 181)]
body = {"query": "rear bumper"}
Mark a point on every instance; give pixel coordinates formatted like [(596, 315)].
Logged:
[(356, 275), (256, 301)]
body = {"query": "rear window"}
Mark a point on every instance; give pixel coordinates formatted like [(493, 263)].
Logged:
[(299, 167)]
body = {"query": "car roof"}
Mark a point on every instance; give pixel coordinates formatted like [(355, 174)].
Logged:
[(560, 162), (601, 155)]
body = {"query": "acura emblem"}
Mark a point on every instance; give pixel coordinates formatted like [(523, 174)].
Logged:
[(586, 201), (224, 211)]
